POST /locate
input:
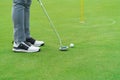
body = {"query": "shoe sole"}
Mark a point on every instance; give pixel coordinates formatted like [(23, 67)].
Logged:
[(26, 51), (42, 44), (39, 45)]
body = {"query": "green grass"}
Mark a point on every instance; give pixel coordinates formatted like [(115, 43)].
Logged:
[(96, 55)]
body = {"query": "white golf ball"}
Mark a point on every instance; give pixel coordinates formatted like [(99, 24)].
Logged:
[(71, 45)]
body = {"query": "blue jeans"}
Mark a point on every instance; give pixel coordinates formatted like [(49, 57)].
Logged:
[(20, 15)]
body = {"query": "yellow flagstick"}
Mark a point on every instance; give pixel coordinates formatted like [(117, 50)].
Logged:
[(82, 19)]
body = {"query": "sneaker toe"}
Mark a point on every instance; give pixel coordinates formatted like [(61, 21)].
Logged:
[(34, 49), (39, 43)]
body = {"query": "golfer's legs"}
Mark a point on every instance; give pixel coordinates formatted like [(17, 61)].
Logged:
[(18, 20), (26, 19), (21, 13)]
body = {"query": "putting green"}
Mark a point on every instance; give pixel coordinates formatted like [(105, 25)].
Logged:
[(96, 55)]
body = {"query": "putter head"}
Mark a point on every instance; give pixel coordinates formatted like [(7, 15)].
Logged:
[(63, 48)]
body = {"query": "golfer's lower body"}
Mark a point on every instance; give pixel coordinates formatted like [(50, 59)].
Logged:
[(23, 42)]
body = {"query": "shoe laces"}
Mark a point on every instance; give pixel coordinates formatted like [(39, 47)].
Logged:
[(26, 43)]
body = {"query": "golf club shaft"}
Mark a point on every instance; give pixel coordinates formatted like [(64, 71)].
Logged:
[(51, 23)]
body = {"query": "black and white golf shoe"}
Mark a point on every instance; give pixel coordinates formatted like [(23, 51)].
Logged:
[(25, 47), (35, 42)]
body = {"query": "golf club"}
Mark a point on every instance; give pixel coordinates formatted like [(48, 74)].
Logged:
[(62, 48)]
